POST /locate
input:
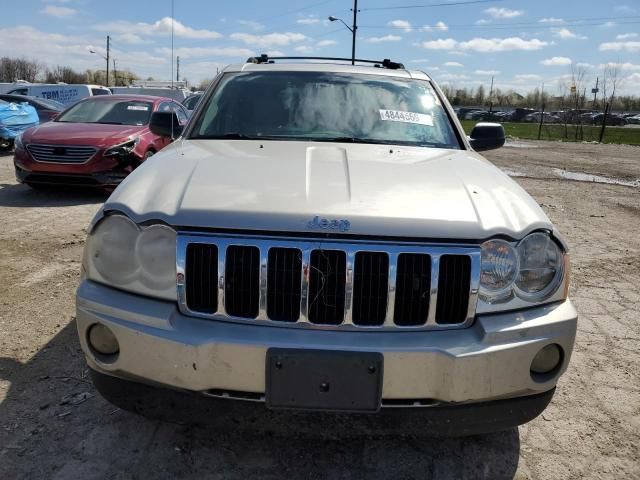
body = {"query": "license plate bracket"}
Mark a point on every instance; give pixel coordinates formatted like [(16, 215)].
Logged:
[(324, 380)]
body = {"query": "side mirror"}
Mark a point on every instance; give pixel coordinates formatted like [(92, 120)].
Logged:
[(165, 124), (486, 136)]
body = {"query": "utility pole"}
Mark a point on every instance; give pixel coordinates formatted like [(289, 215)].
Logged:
[(595, 93), (115, 74), (177, 68), (108, 47), (353, 31)]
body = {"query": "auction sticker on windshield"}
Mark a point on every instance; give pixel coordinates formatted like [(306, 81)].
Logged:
[(406, 117), (141, 108)]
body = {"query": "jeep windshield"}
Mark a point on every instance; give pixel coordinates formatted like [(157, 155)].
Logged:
[(325, 107), (113, 112)]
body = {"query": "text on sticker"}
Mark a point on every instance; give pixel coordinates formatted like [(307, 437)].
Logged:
[(406, 117), (138, 107)]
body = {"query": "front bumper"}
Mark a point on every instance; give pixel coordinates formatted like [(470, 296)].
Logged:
[(99, 171), (488, 361)]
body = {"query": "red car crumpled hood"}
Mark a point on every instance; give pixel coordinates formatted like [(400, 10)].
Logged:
[(94, 134)]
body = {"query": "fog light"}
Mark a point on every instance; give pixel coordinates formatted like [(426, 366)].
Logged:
[(547, 359), (102, 340)]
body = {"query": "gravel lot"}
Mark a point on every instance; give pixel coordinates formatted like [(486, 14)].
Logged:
[(54, 425)]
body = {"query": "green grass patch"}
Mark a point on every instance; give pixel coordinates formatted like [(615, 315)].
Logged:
[(586, 133)]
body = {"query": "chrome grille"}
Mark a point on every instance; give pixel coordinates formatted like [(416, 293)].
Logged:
[(329, 284), (61, 153)]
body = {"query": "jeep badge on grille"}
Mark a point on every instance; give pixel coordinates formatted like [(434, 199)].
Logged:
[(329, 224)]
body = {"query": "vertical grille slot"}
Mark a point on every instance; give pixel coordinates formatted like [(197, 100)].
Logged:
[(201, 277), (413, 285), (370, 288), (242, 281), (453, 289), (327, 279), (283, 284)]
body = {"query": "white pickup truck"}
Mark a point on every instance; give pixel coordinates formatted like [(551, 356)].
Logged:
[(324, 237)]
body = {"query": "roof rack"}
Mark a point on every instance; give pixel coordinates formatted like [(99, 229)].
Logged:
[(386, 63)]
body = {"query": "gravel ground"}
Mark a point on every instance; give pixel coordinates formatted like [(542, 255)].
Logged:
[(54, 425)]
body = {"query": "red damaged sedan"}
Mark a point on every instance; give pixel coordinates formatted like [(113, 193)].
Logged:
[(96, 142)]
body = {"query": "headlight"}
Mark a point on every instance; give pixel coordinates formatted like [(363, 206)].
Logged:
[(17, 142), (142, 260), (124, 148), (517, 276), (499, 269), (541, 265)]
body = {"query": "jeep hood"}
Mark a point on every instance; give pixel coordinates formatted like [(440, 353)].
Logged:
[(282, 186)]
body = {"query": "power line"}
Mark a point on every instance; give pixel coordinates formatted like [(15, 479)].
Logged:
[(578, 22), (430, 5), (501, 27)]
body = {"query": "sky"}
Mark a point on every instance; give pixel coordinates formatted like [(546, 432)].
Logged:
[(463, 43)]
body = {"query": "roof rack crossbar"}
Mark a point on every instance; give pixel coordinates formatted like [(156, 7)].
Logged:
[(386, 63)]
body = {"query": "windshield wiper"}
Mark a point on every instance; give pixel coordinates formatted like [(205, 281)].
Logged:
[(347, 140), (227, 136)]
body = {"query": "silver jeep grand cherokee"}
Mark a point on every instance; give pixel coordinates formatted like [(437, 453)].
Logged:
[(324, 237)]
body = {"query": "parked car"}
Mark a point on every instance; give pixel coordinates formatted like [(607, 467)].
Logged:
[(191, 102), (47, 109), (520, 113), (14, 120), (612, 119), (66, 94), (546, 118), (635, 119), (305, 253), (96, 142)]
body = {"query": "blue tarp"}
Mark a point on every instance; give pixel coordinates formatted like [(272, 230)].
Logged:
[(15, 118)]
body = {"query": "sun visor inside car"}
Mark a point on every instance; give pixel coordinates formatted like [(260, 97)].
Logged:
[(15, 118)]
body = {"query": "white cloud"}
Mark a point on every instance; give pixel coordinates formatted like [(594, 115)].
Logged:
[(308, 20), (626, 36), (608, 24), (502, 44), (487, 72), (386, 38), (130, 38), (453, 64), (453, 76), (624, 9), (58, 12), (326, 43), (482, 21), (503, 12), (556, 61), (584, 65), (401, 24), (526, 77), (551, 20), (195, 52), (618, 46), (439, 26), (486, 44), (257, 26), (627, 66), (161, 27), (270, 39), (303, 49), (440, 44), (565, 33)]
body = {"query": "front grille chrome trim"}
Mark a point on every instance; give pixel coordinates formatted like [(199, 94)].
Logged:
[(73, 154), (350, 247)]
